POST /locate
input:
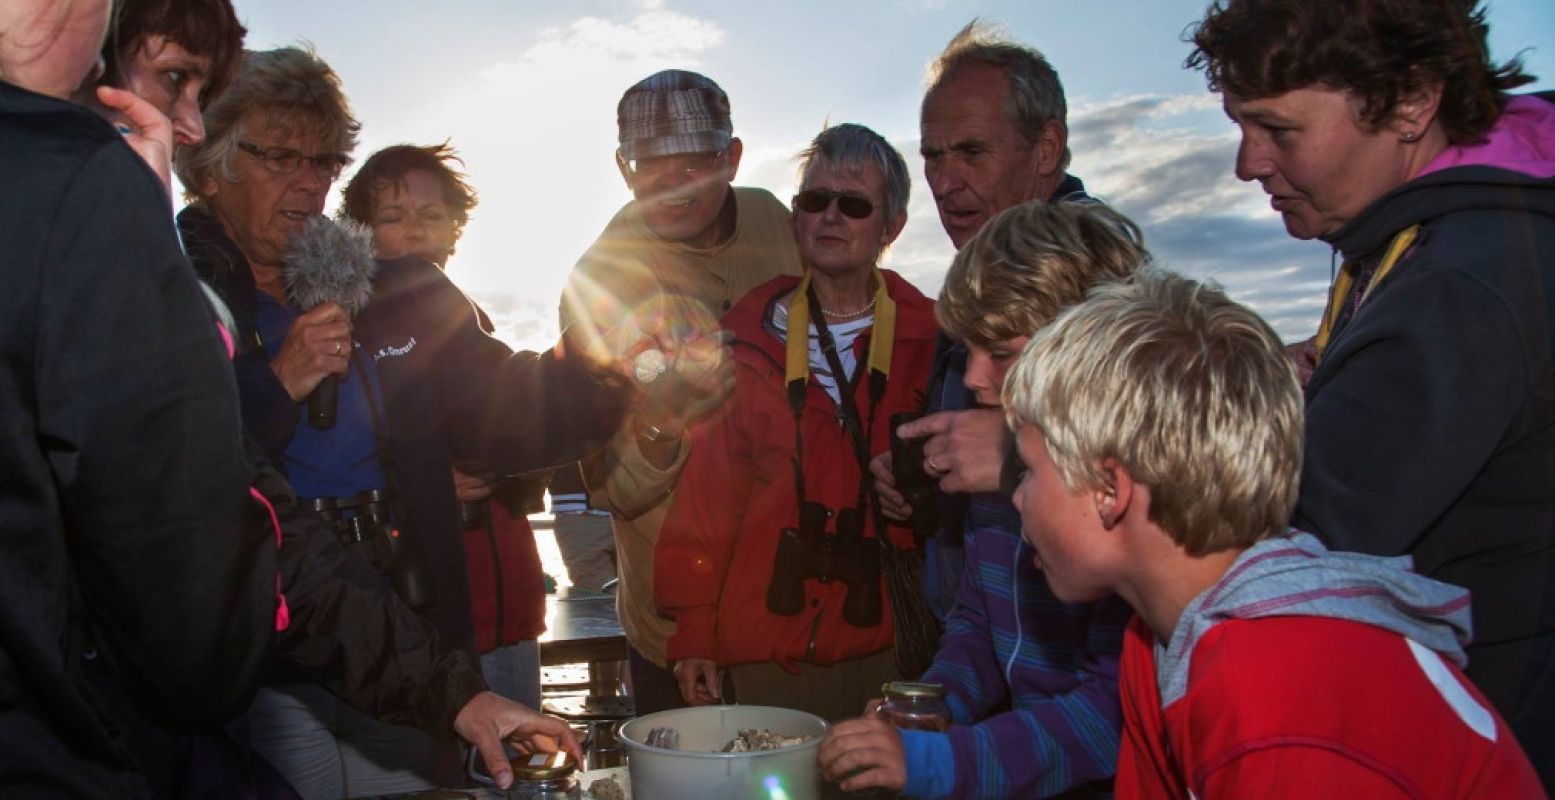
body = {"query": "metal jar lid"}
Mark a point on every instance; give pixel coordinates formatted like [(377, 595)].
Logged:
[(544, 766), (912, 689)]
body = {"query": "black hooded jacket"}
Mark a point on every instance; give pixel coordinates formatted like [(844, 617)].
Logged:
[(1431, 419)]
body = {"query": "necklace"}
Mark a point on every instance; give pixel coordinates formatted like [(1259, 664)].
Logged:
[(857, 312)]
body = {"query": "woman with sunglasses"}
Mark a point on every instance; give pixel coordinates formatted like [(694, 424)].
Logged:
[(770, 561)]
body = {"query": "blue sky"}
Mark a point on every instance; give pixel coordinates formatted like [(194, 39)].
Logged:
[(527, 92)]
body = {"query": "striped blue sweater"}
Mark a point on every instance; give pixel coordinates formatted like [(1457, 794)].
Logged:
[(1033, 682)]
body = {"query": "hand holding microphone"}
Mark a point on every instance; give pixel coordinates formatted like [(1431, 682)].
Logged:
[(329, 272), (317, 346)]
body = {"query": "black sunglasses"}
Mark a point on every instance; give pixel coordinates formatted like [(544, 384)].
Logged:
[(815, 201)]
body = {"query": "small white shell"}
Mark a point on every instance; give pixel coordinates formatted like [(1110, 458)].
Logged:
[(649, 365)]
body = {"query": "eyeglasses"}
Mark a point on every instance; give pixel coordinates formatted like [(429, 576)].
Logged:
[(816, 201), (285, 161), (691, 164)]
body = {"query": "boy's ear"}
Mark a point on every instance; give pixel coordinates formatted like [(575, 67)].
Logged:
[(1115, 494)]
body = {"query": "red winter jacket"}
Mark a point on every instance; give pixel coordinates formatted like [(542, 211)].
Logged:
[(1305, 706), (507, 584), (714, 556)]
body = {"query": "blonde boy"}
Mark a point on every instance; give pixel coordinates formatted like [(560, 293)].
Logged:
[(1031, 681), (1160, 424)]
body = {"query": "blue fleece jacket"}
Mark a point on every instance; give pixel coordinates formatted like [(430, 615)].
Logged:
[(1032, 681)]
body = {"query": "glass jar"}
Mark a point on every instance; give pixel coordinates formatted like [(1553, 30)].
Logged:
[(914, 706), (545, 776)]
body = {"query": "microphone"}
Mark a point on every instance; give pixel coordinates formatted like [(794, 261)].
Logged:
[(330, 262)]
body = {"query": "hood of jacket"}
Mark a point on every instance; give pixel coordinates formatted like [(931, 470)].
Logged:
[(1509, 171), (1295, 575)]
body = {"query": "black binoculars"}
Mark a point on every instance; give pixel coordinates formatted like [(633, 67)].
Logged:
[(912, 480), (808, 552), (367, 519)]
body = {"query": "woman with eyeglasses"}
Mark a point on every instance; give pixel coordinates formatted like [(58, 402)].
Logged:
[(420, 386), (770, 561)]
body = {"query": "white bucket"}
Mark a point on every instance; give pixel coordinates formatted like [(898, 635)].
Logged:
[(697, 770)]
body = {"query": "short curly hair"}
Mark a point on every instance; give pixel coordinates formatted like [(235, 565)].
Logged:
[(1031, 262), (389, 166), (294, 87), (1379, 50)]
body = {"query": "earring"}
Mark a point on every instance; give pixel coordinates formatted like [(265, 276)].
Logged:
[(1410, 137)]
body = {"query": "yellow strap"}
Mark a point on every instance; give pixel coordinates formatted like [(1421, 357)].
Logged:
[(797, 359), (1342, 284)]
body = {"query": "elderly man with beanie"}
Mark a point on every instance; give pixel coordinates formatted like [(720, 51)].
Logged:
[(687, 246)]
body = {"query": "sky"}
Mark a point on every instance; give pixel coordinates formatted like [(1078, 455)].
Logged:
[(526, 92)]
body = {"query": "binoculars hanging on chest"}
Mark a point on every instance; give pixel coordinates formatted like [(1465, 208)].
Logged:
[(808, 552)]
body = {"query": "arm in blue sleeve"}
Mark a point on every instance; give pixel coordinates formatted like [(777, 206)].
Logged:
[(931, 766), (1049, 743), (966, 664)]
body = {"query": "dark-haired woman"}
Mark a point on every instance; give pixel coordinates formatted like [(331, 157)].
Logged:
[(417, 203), (1383, 128)]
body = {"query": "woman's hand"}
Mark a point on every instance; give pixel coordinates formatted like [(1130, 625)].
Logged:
[(892, 503), (701, 682), (318, 344), (150, 132), (863, 753), (474, 486), (489, 719)]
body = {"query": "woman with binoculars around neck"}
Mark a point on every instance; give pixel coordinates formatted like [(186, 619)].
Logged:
[(771, 558)]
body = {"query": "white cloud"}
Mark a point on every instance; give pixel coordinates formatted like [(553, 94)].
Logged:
[(1163, 161)]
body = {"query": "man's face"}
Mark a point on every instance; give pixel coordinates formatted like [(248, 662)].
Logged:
[(170, 78), (987, 366), (976, 162), (680, 197), (266, 206), (1062, 526), (412, 218)]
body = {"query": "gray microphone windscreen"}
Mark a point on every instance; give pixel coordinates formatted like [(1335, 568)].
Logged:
[(331, 261)]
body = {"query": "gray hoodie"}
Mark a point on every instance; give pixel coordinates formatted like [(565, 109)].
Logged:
[(1295, 575)]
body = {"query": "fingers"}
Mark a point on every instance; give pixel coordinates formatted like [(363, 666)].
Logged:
[(968, 454), (892, 503), (495, 758), (472, 487), (150, 132), (700, 681), (927, 425), (552, 734), (862, 753), (317, 345)]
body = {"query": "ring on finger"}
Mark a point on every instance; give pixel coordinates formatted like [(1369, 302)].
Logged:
[(337, 347), (933, 467)]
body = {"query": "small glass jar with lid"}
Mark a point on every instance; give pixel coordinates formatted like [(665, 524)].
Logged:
[(545, 776), (914, 706)]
